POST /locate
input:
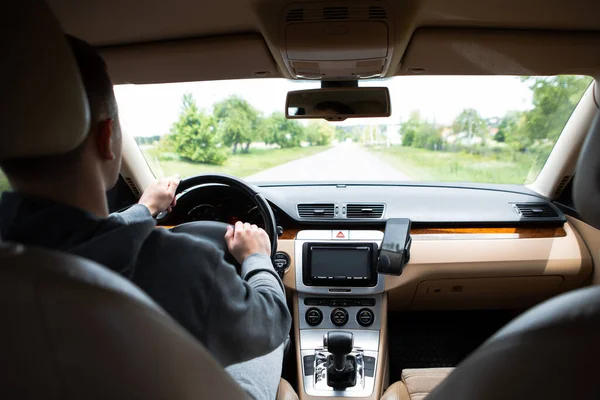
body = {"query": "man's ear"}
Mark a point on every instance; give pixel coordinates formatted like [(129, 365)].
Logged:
[(104, 138)]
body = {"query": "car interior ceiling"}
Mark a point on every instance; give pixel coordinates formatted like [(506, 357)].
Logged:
[(457, 291)]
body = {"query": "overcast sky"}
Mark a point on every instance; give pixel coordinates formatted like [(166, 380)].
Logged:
[(147, 110)]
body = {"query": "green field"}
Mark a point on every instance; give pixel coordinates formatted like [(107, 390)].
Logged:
[(427, 165), (240, 165)]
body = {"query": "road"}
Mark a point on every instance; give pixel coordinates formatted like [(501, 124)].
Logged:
[(342, 163)]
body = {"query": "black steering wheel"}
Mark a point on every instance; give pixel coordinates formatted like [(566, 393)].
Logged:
[(215, 230)]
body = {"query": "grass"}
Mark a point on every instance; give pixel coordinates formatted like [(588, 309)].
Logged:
[(240, 165), (427, 165)]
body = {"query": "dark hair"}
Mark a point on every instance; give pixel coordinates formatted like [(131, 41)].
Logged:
[(102, 103), (94, 74)]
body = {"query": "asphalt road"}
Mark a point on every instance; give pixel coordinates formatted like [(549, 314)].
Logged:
[(342, 163)]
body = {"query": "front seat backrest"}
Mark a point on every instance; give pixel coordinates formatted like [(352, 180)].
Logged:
[(72, 329), (551, 352), (586, 184)]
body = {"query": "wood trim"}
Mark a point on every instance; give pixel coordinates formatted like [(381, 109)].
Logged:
[(517, 233), (522, 233)]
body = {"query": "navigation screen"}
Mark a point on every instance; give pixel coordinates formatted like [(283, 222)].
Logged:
[(335, 262)]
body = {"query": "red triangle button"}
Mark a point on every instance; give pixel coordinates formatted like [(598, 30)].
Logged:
[(340, 235)]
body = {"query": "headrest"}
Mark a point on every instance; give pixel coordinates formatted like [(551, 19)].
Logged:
[(586, 184), (44, 107)]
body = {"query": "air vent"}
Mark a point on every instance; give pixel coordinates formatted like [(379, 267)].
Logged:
[(377, 13), (133, 187), (315, 210), (535, 210), (295, 15), (335, 12), (364, 210), (562, 185)]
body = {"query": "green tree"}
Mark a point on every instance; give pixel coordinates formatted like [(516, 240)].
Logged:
[(510, 130), (279, 130), (319, 133), (408, 130), (420, 133), (238, 122), (194, 135), (554, 99), (470, 122)]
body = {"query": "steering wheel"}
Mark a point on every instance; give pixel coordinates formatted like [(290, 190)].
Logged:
[(214, 230)]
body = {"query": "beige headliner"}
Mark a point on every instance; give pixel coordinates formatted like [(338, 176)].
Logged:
[(114, 25)]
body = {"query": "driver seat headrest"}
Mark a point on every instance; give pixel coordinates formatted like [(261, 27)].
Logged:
[(44, 106)]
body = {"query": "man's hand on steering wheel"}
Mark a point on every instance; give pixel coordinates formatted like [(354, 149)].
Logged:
[(160, 195), (244, 239)]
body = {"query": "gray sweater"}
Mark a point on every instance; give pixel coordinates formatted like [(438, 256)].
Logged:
[(236, 318)]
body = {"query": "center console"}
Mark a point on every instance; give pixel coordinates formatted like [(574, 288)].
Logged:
[(340, 309)]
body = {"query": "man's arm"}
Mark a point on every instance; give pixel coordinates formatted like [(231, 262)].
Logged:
[(247, 318), (236, 317), (158, 196)]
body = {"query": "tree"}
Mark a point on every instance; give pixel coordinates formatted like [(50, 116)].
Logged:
[(419, 133), (194, 135), (510, 130), (279, 130), (319, 133), (238, 122), (554, 99), (408, 130), (470, 122)]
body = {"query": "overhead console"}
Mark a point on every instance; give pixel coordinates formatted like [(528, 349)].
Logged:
[(336, 41)]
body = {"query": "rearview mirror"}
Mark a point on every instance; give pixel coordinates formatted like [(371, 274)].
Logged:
[(337, 104)]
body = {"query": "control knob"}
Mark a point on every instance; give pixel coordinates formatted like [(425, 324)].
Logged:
[(313, 316), (339, 317)]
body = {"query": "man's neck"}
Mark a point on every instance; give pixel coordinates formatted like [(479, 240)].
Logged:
[(85, 193)]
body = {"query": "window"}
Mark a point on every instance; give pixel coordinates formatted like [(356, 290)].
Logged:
[(493, 129)]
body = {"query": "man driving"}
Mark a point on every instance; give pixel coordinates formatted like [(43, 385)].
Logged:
[(59, 202)]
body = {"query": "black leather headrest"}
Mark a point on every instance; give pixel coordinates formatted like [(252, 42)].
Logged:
[(586, 185)]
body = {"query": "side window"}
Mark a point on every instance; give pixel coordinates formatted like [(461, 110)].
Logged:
[(4, 185)]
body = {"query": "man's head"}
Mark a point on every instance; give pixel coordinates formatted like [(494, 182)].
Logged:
[(100, 152)]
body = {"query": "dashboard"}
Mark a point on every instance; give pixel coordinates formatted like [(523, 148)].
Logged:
[(484, 246)]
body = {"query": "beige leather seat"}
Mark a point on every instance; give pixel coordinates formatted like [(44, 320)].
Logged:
[(72, 329), (416, 383)]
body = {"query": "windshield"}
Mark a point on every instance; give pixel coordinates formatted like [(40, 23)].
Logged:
[(492, 129)]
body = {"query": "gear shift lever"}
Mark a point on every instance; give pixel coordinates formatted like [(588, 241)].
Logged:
[(341, 369), (339, 344)]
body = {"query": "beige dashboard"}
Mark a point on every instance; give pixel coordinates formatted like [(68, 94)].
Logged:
[(468, 268)]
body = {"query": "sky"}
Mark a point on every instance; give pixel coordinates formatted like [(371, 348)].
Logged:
[(147, 110)]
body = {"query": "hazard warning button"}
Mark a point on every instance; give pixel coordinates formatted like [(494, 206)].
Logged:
[(339, 234)]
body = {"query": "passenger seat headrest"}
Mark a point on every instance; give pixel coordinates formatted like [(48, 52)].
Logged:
[(44, 106), (586, 185)]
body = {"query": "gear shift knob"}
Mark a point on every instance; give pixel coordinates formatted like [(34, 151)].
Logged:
[(339, 344)]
